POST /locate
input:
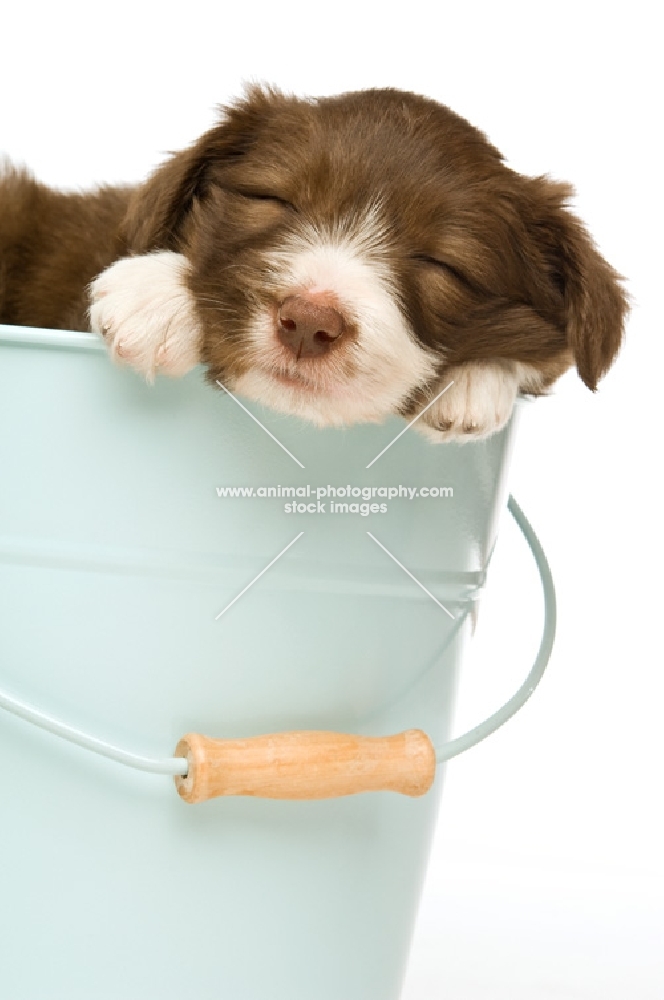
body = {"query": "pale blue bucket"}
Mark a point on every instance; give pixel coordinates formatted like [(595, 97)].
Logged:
[(117, 556)]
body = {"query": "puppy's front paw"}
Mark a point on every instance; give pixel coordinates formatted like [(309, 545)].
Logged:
[(477, 403), (144, 311)]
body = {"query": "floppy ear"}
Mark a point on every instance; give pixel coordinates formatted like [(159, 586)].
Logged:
[(158, 209), (594, 302)]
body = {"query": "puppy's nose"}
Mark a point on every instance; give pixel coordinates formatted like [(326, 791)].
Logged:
[(308, 328)]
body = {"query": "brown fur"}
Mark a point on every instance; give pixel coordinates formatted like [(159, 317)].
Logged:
[(51, 246), (490, 264)]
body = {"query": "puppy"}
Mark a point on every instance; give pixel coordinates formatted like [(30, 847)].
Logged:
[(341, 259)]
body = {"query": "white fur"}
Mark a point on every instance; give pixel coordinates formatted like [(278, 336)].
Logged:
[(366, 378), (480, 400), (145, 312)]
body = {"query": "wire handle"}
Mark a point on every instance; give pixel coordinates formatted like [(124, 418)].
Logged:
[(316, 765), (511, 707)]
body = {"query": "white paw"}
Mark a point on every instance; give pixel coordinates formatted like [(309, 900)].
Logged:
[(144, 311), (478, 403)]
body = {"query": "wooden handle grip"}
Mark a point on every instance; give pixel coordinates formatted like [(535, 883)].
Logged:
[(306, 765)]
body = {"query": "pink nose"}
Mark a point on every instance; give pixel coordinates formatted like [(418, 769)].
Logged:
[(308, 328)]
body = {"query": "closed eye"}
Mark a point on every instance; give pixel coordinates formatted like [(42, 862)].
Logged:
[(262, 196), (445, 266)]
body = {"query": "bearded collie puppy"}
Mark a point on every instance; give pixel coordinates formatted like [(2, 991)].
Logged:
[(341, 259)]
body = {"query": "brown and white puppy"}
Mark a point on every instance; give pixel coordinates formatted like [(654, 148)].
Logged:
[(340, 259)]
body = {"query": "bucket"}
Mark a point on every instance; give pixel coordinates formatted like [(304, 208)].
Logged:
[(141, 601)]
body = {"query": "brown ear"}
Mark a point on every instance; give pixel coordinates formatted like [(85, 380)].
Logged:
[(159, 208), (594, 302)]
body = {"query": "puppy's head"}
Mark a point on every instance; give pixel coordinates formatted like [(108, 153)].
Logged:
[(346, 251)]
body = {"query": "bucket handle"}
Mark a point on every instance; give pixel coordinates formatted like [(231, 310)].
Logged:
[(315, 765)]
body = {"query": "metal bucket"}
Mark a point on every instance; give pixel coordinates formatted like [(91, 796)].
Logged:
[(139, 603)]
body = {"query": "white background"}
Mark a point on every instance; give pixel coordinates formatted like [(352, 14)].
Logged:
[(546, 877)]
